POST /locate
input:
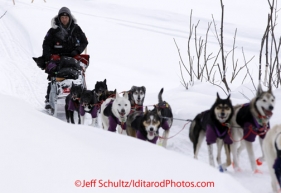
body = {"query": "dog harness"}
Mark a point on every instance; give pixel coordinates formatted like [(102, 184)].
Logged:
[(93, 111), (142, 137), (141, 132), (246, 121), (136, 108), (214, 130), (277, 163), (113, 120), (73, 105)]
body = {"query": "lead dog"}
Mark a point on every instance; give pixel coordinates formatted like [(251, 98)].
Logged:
[(249, 120), (114, 112), (212, 124), (272, 154)]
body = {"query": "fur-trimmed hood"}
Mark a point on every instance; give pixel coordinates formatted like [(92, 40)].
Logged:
[(55, 22)]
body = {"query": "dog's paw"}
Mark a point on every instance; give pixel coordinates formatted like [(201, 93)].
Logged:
[(257, 171), (222, 169), (259, 162)]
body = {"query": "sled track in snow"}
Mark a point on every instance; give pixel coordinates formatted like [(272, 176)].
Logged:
[(19, 72)]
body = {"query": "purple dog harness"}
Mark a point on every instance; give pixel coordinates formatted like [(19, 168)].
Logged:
[(212, 133), (73, 105), (114, 121), (214, 130), (250, 125), (164, 125), (93, 111)]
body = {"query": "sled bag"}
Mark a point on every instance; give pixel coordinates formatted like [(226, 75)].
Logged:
[(68, 73), (69, 62)]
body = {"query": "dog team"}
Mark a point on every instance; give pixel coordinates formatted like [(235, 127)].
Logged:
[(233, 128), (124, 114), (236, 128)]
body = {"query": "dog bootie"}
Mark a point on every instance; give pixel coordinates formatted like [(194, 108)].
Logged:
[(222, 169), (259, 162)]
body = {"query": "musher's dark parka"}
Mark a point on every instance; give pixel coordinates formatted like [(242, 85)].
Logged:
[(67, 40)]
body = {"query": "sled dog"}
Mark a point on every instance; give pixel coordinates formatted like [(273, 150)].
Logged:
[(146, 125), (136, 97), (166, 115), (100, 94), (272, 155), (72, 103), (213, 124), (114, 111), (100, 89), (88, 104), (249, 120)]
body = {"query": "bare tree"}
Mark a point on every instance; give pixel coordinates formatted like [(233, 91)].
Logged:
[(203, 65), (271, 49)]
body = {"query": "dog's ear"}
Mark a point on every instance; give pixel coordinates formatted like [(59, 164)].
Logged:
[(104, 81), (259, 90), (269, 89), (126, 95), (116, 94), (144, 89), (228, 97), (218, 96), (146, 110), (133, 88), (159, 112)]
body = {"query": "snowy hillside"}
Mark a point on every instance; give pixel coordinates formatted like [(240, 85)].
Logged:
[(130, 43)]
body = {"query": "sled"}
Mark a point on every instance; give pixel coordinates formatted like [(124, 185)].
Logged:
[(60, 87)]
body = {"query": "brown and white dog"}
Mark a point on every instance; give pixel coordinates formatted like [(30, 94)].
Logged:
[(249, 121)]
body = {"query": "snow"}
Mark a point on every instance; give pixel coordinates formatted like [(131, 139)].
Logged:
[(130, 43)]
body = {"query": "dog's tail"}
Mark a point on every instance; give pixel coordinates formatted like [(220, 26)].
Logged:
[(160, 100), (191, 129)]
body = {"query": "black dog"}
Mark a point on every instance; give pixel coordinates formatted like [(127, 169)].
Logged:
[(72, 103), (212, 124), (101, 90), (88, 104)]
